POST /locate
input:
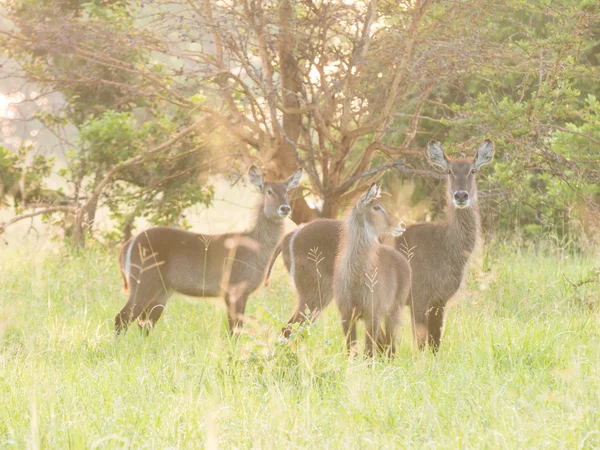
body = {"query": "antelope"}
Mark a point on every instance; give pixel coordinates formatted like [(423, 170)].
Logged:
[(371, 281), (439, 251), (161, 260)]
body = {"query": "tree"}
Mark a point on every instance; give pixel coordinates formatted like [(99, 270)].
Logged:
[(534, 93), (118, 122), (314, 84), (344, 89), (305, 83)]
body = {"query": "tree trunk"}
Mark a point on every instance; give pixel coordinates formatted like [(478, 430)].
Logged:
[(331, 206), (128, 228), (91, 217), (78, 235), (287, 158)]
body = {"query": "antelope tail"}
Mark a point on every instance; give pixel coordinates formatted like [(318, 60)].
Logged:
[(276, 253), (125, 263)]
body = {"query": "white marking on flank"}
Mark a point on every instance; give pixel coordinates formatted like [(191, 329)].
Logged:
[(128, 260)]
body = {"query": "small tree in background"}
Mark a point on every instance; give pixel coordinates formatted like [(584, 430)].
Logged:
[(120, 158), (535, 95)]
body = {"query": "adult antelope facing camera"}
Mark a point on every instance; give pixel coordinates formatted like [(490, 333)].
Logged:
[(439, 251), (162, 260), (371, 280)]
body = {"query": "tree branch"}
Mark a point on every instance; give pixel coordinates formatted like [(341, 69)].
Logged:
[(50, 209), (399, 77), (347, 184), (566, 130)]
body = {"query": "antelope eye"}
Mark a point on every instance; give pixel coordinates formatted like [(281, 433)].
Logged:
[(376, 208), (474, 171), (448, 171), (269, 191)]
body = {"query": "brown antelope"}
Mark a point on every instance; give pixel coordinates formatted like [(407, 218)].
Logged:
[(371, 281), (161, 260), (439, 251)]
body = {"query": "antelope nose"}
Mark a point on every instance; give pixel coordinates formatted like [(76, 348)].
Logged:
[(461, 196), (285, 210)]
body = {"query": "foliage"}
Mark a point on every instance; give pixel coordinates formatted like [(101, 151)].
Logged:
[(532, 90), (160, 188), (25, 180), (90, 53), (344, 89), (83, 76), (9, 172)]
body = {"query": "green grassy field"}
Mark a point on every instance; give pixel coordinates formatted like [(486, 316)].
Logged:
[(519, 366)]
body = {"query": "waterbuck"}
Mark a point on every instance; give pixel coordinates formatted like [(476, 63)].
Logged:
[(162, 260), (439, 251), (371, 281)]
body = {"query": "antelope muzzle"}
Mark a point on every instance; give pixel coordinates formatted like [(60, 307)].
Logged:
[(284, 211), (461, 199)]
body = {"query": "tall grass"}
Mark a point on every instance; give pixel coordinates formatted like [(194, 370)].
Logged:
[(519, 366)]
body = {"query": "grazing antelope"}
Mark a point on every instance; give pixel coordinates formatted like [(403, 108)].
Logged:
[(439, 251), (371, 281), (162, 260)]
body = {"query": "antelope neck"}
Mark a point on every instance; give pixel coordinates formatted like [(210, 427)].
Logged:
[(266, 231), (463, 225), (356, 252)]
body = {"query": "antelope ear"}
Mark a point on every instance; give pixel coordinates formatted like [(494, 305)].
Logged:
[(256, 177), (485, 153), (373, 193), (436, 155), (293, 181)]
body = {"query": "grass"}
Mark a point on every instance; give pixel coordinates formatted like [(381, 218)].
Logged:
[(519, 366)]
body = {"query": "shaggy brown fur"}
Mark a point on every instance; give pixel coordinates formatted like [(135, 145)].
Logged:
[(371, 281), (439, 251), (161, 260)]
